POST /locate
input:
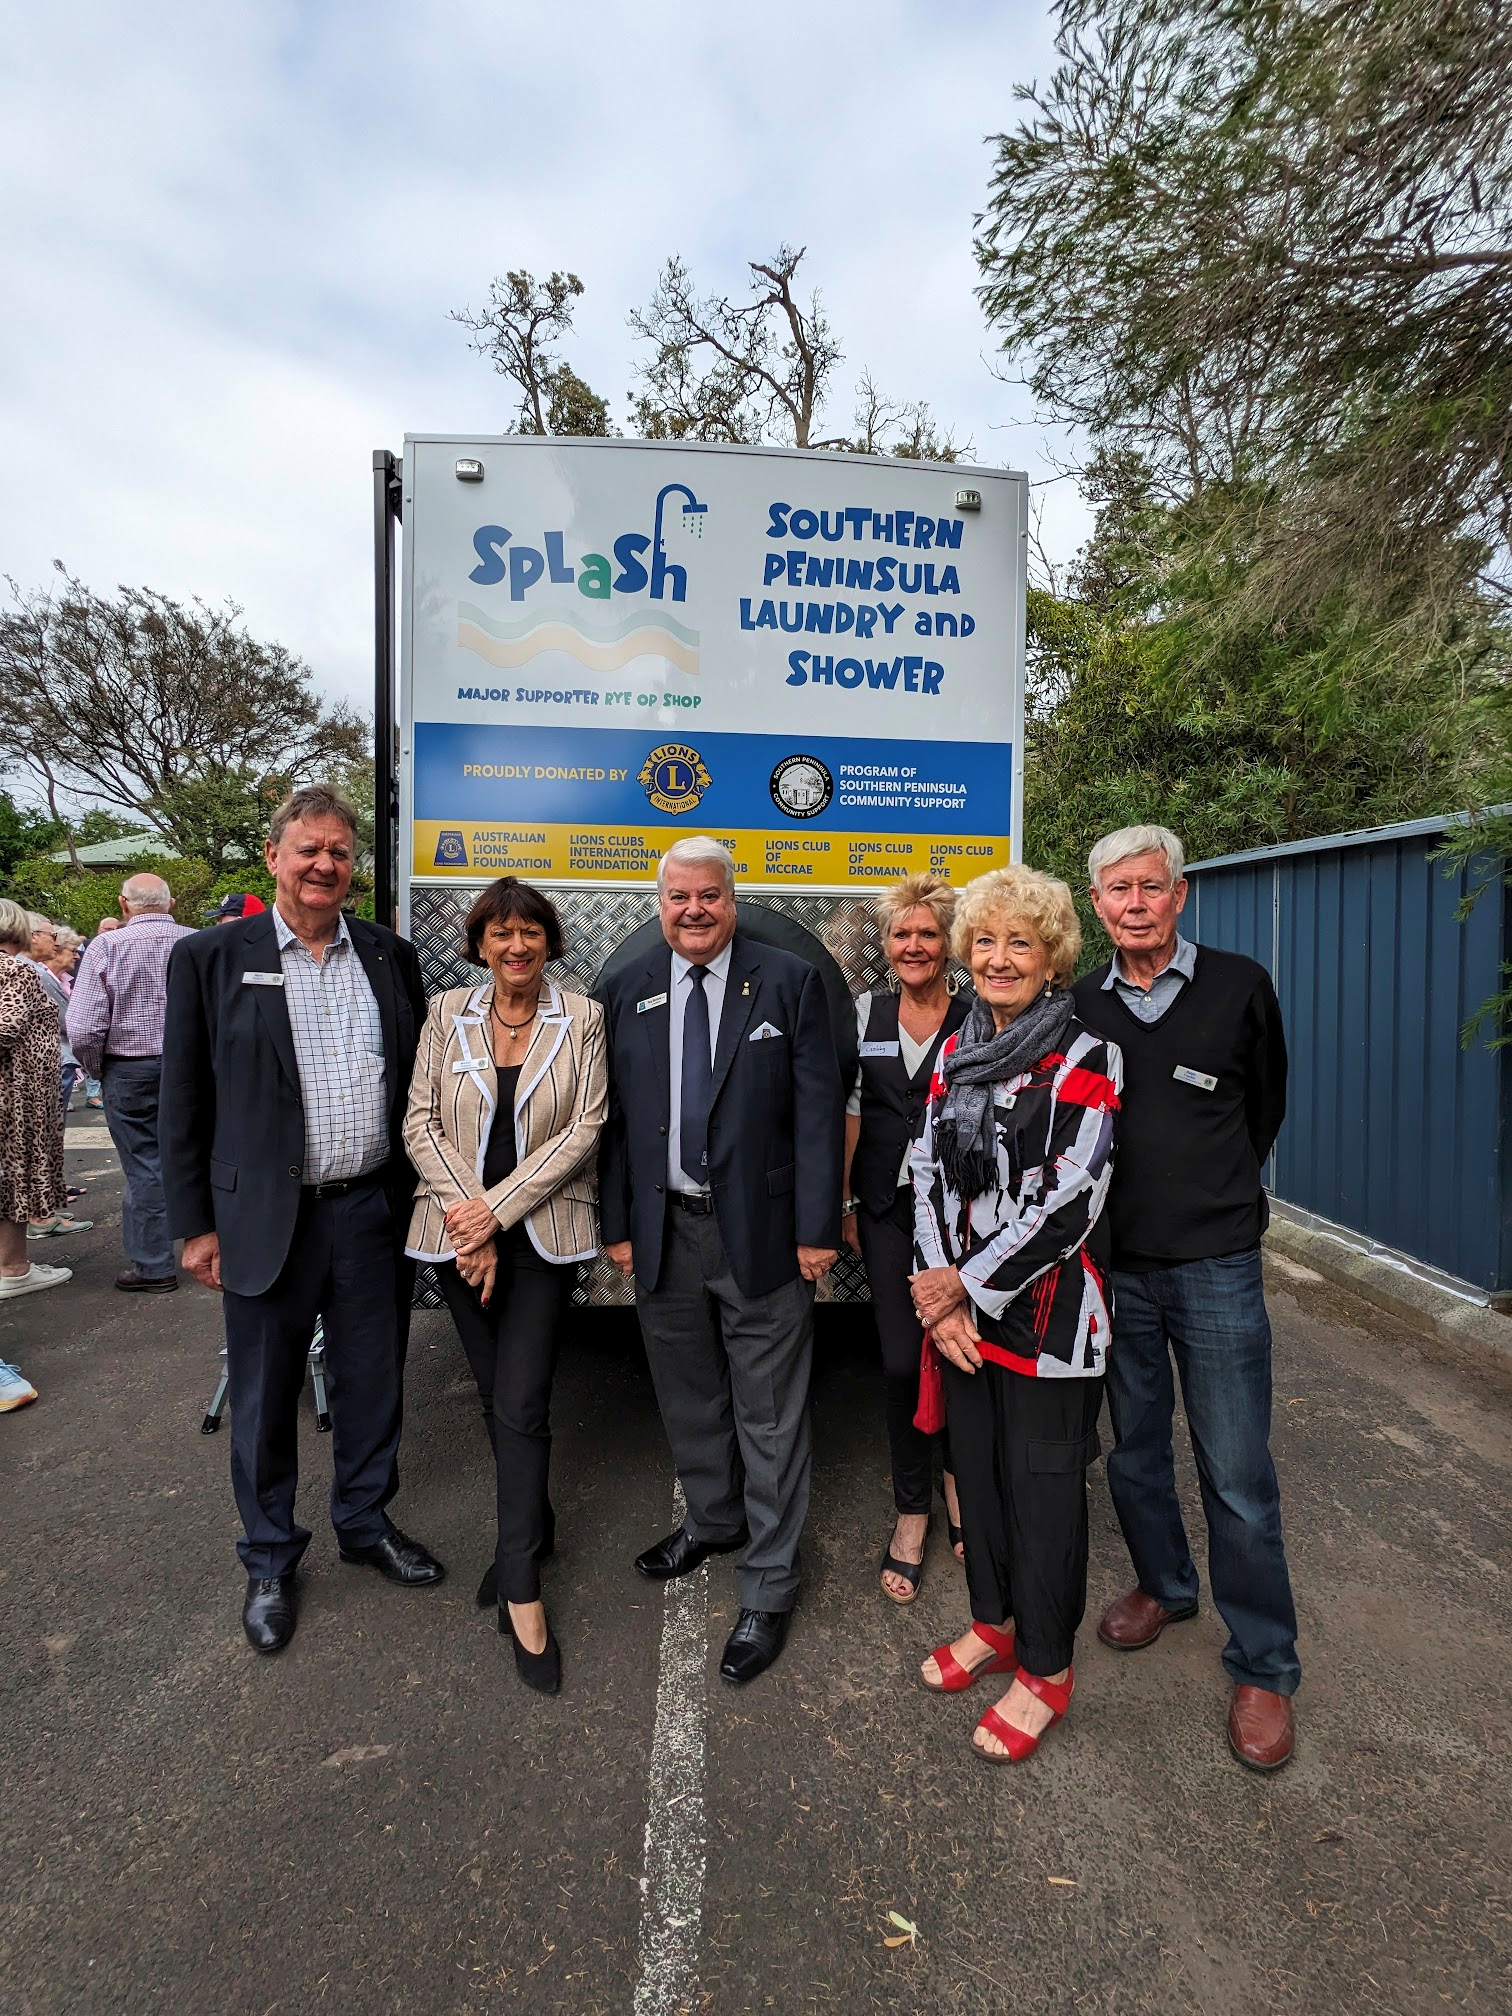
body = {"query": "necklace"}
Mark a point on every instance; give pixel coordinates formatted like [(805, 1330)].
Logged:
[(515, 1028)]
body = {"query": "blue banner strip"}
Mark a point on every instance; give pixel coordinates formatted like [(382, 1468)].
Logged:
[(623, 776)]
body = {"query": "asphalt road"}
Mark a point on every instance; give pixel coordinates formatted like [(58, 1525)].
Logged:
[(382, 1820)]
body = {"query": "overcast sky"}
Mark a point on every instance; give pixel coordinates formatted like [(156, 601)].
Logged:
[(232, 234)]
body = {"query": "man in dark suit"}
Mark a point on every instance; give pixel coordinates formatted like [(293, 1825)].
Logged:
[(719, 1187), (287, 1051)]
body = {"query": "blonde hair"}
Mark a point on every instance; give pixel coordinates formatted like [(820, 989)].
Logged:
[(1041, 901), (15, 925), (915, 892)]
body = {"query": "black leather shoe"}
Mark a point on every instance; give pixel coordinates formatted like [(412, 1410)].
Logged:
[(753, 1645), (680, 1554), (268, 1613), (398, 1559), (146, 1284)]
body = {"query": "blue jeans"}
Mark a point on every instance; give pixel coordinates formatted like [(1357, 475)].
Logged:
[(131, 1114), (1210, 1315)]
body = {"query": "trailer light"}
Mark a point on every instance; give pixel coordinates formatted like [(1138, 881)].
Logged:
[(469, 470), (966, 500)]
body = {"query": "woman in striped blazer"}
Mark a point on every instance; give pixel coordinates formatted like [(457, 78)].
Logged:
[(505, 1108)]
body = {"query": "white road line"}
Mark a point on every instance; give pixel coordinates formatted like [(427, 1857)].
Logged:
[(672, 1886)]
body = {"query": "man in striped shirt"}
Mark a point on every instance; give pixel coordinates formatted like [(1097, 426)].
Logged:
[(289, 1047), (115, 1025)]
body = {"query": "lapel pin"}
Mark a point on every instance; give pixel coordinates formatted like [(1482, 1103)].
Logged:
[(745, 990)]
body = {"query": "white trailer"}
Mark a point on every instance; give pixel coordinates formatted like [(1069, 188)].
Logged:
[(817, 658)]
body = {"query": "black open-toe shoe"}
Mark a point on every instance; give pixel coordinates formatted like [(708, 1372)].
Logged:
[(541, 1670), (951, 1528), (912, 1572)]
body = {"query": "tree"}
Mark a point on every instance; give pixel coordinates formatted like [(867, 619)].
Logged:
[(1264, 243), (746, 371), (518, 330), (920, 440), (24, 831), (174, 713)]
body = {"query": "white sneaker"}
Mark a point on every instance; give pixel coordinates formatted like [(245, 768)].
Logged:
[(14, 1390), (34, 1280)]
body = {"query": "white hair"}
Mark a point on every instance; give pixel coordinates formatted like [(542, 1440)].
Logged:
[(146, 892), (40, 923), (15, 925), (696, 848), (68, 939), (1131, 840)]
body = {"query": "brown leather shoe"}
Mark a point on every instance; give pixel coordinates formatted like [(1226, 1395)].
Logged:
[(1260, 1730), (1137, 1620)]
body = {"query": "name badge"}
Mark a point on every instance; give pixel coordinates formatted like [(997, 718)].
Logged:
[(471, 1064), (651, 1001), (1198, 1078), (262, 979), (879, 1049)]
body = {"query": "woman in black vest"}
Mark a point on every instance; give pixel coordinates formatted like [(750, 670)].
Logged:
[(901, 1031)]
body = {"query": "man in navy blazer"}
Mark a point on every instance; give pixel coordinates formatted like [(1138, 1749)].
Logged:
[(287, 1051), (719, 1187)]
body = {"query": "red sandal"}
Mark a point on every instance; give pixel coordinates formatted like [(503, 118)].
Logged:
[(956, 1678), (1020, 1744)]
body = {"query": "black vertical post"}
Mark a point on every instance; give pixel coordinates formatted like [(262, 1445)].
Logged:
[(386, 509)]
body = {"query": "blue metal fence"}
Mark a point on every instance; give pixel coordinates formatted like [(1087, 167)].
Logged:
[(1395, 1130)]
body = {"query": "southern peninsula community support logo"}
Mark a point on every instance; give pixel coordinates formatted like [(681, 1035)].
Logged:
[(673, 777), (802, 786), (451, 849)]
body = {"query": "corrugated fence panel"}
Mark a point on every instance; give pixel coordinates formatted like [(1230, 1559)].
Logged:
[(1394, 1129)]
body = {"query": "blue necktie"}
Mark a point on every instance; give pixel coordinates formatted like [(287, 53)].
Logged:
[(697, 1080)]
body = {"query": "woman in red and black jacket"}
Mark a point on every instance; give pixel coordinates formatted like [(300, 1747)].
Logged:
[(1010, 1178)]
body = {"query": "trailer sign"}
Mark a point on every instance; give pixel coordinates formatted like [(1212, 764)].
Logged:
[(816, 658)]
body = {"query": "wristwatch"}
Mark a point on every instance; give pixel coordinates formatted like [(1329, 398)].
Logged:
[(847, 1207)]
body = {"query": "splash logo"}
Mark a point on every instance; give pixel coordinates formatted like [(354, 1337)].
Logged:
[(451, 850), (593, 573), (673, 777)]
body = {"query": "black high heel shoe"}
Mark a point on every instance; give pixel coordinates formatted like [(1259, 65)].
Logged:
[(541, 1670), (488, 1588)]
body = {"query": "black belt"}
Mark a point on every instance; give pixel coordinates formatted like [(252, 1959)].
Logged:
[(340, 1189), (701, 1205)]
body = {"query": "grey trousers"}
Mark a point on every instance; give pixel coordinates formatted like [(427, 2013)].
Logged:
[(731, 1373), (131, 1113)]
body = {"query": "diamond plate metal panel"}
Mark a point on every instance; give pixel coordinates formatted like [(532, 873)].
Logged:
[(596, 922)]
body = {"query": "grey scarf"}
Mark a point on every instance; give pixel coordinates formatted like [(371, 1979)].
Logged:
[(964, 1137)]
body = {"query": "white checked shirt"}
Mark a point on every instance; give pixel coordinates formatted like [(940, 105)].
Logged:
[(338, 1046), (714, 988)]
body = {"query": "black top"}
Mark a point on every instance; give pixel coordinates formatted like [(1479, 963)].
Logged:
[(892, 1098), (500, 1157), (1203, 1099)]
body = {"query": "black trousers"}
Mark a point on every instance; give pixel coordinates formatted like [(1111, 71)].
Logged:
[(1021, 1448), (888, 1250), (512, 1348), (343, 1266)]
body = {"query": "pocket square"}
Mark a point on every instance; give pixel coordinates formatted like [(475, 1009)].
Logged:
[(760, 1035)]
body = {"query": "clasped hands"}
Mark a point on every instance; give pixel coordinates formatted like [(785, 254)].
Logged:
[(471, 1227), (941, 1305)]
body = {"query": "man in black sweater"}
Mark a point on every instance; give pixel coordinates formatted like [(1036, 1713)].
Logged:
[(1204, 1097)]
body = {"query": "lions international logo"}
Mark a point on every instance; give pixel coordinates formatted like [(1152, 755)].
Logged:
[(673, 777), (802, 786), (451, 850)]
